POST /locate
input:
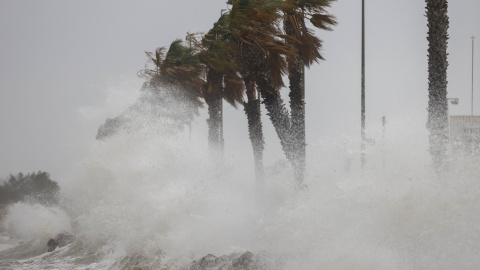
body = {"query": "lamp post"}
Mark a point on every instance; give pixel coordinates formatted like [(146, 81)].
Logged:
[(384, 122), (473, 42), (362, 154)]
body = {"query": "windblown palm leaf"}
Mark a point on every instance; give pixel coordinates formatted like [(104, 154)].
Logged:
[(178, 70), (261, 59), (255, 31), (218, 56), (296, 13)]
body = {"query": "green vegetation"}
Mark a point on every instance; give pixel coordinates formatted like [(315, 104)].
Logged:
[(32, 187)]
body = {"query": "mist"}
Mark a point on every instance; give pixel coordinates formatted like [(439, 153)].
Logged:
[(143, 194), (164, 200)]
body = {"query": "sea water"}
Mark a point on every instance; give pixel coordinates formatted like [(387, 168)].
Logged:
[(164, 201)]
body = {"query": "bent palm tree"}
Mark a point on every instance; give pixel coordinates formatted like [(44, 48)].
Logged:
[(171, 95), (266, 56), (176, 73), (307, 47), (437, 38), (259, 55), (222, 81)]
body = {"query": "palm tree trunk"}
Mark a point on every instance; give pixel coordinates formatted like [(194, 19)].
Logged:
[(214, 103), (296, 76), (255, 129), (279, 117), (437, 122), (252, 110), (297, 107)]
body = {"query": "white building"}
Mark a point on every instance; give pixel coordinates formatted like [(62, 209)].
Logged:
[(465, 132)]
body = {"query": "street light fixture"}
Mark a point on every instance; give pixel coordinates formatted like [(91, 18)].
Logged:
[(454, 101)]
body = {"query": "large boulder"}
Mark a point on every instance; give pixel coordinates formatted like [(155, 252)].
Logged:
[(60, 240)]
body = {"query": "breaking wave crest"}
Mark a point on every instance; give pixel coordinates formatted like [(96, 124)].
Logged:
[(163, 202)]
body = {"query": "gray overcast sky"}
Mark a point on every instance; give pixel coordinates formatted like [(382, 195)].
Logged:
[(60, 59)]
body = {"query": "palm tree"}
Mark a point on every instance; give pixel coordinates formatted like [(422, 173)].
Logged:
[(182, 70), (176, 75), (178, 69), (171, 92), (437, 38), (222, 80), (260, 59), (307, 47), (262, 56), (257, 29)]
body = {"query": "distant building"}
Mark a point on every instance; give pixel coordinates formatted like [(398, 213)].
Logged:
[(465, 133)]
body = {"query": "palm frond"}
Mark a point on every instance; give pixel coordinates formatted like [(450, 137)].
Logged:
[(234, 89), (275, 68), (323, 21), (309, 48)]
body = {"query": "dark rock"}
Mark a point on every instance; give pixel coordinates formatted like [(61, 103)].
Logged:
[(245, 261), (61, 240), (207, 261), (52, 245)]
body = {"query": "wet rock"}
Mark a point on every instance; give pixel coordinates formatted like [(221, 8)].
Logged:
[(237, 261), (52, 245), (207, 262), (60, 240), (246, 261)]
